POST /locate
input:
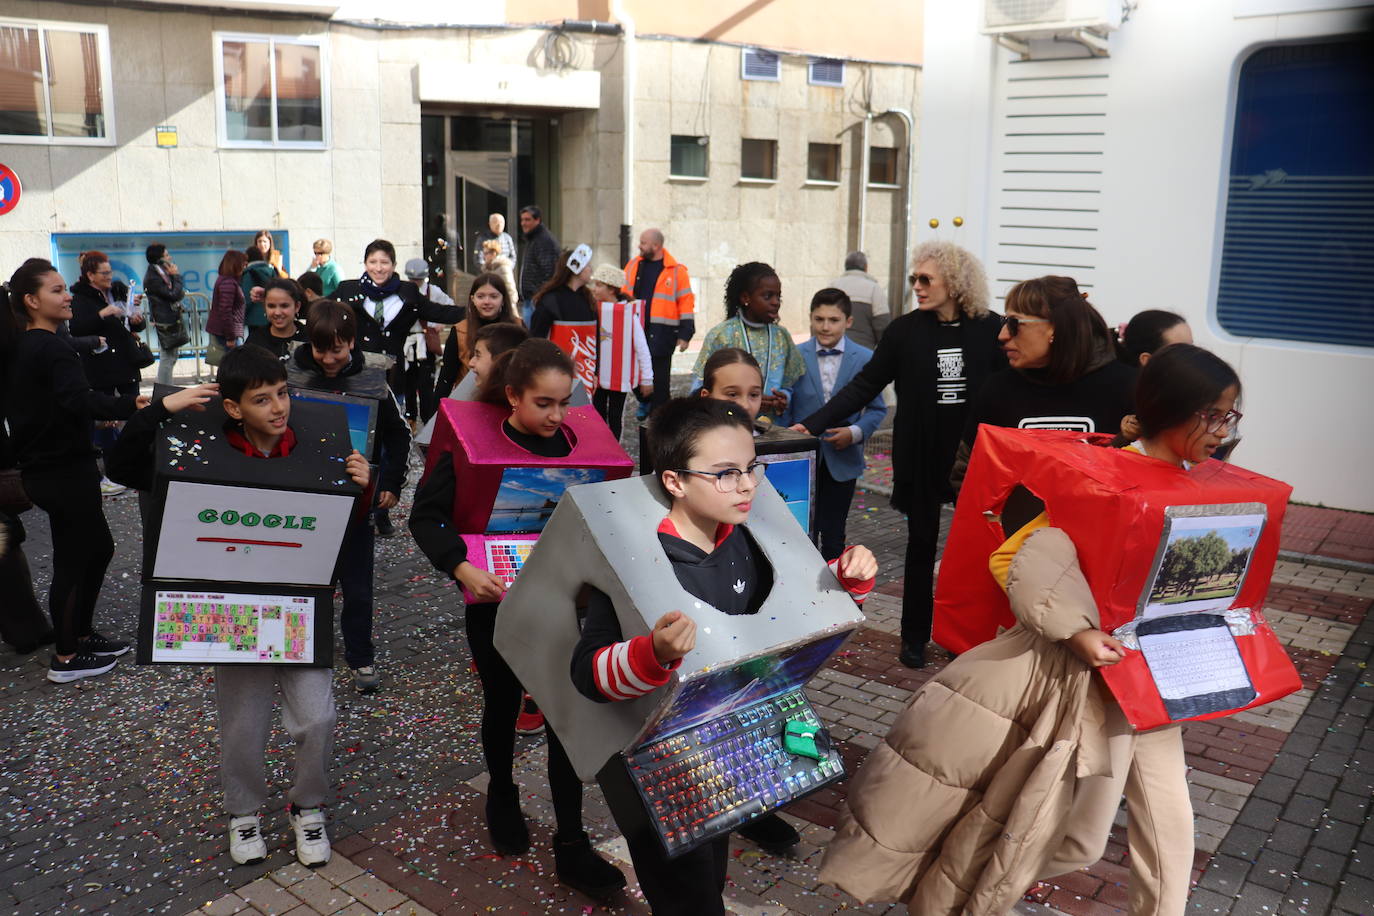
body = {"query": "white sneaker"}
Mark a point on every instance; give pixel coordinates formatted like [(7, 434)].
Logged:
[(109, 488), (246, 846), (312, 842)]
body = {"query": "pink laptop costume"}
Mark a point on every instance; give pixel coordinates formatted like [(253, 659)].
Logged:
[(506, 494)]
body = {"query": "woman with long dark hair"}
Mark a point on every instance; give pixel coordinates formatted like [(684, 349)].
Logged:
[(489, 302), (1064, 372), (50, 406)]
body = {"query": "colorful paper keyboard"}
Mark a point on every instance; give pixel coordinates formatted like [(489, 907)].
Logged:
[(714, 778), (505, 559)]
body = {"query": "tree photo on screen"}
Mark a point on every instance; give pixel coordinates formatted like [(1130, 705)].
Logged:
[(1204, 563)]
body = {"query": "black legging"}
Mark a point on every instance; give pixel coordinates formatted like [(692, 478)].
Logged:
[(923, 537), (611, 405), (501, 695), (81, 546)]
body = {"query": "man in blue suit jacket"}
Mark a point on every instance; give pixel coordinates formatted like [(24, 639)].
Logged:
[(831, 361)]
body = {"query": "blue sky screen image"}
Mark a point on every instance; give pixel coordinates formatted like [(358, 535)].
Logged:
[(792, 480), (527, 496)]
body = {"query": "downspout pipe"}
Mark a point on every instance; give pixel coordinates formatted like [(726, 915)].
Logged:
[(620, 10), (863, 178), (910, 191)]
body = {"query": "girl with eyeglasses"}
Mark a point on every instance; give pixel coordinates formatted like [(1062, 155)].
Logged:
[(937, 357), (1065, 370), (535, 380), (1030, 674)]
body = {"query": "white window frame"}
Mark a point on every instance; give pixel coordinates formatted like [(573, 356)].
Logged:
[(102, 33), (221, 119), (744, 60), (811, 72)]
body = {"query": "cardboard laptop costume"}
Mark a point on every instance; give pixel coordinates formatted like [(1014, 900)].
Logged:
[(1179, 563), (240, 552), (359, 395), (792, 458), (507, 494), (731, 736)]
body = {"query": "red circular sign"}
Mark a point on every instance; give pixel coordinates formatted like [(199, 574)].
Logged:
[(9, 189)]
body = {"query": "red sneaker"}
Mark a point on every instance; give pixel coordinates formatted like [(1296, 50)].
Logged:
[(531, 720)]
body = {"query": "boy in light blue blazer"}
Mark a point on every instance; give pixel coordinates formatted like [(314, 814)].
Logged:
[(831, 361)]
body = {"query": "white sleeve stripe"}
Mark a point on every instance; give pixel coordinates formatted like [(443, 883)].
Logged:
[(626, 672), (603, 675)]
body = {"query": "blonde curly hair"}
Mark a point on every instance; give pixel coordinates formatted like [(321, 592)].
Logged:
[(962, 272)]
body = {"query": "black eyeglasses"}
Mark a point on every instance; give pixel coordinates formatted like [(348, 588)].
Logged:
[(922, 279), (727, 481), (1013, 323), (1220, 422)]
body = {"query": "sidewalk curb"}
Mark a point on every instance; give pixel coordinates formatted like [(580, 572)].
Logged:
[(1316, 559)]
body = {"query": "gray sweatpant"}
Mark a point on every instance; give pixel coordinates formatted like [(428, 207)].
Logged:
[(244, 697)]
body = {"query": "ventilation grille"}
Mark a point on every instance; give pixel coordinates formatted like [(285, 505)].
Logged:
[(758, 64), (1051, 132), (825, 71)]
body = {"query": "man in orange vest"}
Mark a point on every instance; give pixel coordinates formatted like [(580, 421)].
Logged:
[(663, 285)]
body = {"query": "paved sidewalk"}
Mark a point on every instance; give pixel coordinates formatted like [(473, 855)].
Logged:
[(113, 799)]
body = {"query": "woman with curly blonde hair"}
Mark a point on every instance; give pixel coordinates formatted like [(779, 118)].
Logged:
[(937, 356)]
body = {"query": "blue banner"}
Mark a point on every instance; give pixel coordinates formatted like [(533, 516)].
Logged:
[(197, 255)]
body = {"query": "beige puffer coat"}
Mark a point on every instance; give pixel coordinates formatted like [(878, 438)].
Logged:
[(968, 798)]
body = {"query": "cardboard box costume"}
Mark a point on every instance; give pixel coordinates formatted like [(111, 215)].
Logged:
[(792, 458), (240, 552), (714, 735), (466, 390), (1179, 563), (505, 494)]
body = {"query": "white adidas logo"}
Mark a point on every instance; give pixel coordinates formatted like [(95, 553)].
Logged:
[(739, 586)]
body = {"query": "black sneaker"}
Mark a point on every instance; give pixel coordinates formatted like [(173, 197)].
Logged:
[(579, 867), (96, 644), (83, 664), (912, 657), (382, 520), (772, 833), (510, 835)]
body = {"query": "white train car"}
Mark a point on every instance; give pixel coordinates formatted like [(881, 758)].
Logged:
[(1211, 158)]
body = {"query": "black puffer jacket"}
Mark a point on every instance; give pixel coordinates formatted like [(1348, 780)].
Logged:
[(114, 367)]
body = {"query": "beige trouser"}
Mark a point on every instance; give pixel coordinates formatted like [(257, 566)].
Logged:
[(1149, 767)]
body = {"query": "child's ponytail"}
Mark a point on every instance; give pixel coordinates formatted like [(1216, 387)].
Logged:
[(26, 281)]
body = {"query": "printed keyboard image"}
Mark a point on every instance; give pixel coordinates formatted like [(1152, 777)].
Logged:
[(716, 777), (505, 559)]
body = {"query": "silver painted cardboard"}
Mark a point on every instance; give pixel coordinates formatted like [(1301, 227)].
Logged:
[(605, 535)]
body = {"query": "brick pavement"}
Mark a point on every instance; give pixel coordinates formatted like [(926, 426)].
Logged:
[(113, 792)]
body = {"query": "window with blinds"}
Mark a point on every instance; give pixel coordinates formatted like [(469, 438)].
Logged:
[(271, 92), (758, 64), (54, 83), (1297, 259)]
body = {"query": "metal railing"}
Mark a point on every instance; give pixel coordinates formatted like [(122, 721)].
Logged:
[(195, 308)]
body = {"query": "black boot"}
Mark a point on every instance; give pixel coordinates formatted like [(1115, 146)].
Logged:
[(506, 822), (911, 656), (579, 867), (772, 833)]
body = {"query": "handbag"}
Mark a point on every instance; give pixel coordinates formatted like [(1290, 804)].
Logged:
[(13, 498), (142, 355), (214, 352), (173, 335)]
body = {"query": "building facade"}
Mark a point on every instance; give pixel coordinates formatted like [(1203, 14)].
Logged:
[(757, 134)]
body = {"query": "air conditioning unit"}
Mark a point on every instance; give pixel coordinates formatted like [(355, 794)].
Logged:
[(1045, 18)]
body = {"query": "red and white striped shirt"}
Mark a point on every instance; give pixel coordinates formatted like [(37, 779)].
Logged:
[(624, 362)]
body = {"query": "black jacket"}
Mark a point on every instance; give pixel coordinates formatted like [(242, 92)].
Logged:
[(393, 434), (712, 577), (905, 356), (50, 406), (537, 261), (1023, 399), (163, 294), (115, 366), (560, 304), (391, 340)]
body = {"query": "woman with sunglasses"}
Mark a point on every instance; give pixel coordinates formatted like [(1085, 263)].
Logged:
[(1065, 368), (937, 356)]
